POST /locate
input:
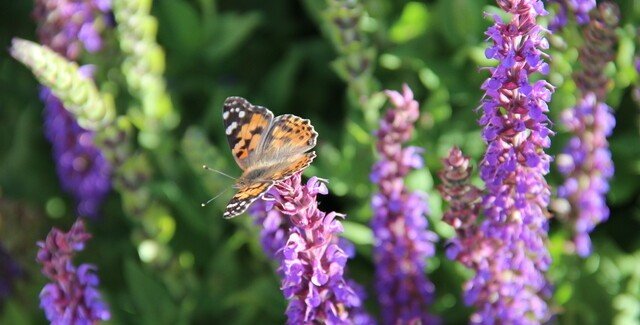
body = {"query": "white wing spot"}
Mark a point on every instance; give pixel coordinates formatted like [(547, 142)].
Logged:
[(231, 127), (225, 115), (241, 114)]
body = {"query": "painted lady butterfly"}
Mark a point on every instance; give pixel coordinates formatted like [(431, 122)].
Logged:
[(267, 149)]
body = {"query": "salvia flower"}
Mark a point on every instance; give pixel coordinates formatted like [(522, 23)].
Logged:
[(578, 8), (274, 227), (402, 240), (67, 26), (312, 261), (512, 288), (82, 168), (10, 271), (72, 297), (586, 160), (598, 50), (464, 207)]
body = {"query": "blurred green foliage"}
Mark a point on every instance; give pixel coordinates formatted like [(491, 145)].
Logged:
[(180, 263)]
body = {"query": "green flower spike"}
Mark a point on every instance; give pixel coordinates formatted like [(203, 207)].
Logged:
[(79, 94), (343, 20), (143, 68)]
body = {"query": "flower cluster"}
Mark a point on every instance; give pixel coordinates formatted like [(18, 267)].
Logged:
[(587, 165), (274, 227), (512, 288), (72, 297), (78, 94), (82, 168), (355, 64), (464, 209), (586, 160), (67, 26), (579, 8), (402, 241), (598, 50), (312, 260), (143, 68)]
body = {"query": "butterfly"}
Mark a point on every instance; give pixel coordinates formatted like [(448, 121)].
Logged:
[(267, 149)]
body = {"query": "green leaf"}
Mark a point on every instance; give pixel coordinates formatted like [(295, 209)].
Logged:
[(460, 21), (358, 234), (152, 300), (413, 22), (15, 314), (231, 31), (180, 26)]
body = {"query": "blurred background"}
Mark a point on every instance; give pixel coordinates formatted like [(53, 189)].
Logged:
[(178, 263)]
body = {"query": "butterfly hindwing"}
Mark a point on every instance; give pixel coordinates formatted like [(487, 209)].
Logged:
[(245, 128), (291, 134), (294, 166), (244, 197)]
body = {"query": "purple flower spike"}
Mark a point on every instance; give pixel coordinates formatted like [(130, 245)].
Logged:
[(305, 241), (587, 164), (402, 241), (510, 286), (82, 169), (72, 297), (468, 245), (586, 161), (274, 227), (66, 26)]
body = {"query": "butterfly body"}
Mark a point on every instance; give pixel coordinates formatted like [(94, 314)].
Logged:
[(267, 149)]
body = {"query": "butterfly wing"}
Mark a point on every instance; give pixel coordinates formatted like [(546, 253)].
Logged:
[(293, 166), (272, 174), (289, 135), (244, 197), (245, 126), (267, 149)]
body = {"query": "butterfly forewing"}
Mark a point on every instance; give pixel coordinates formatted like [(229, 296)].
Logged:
[(245, 126)]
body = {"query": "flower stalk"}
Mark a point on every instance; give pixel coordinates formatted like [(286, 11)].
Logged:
[(311, 257), (72, 297), (402, 241), (511, 287), (143, 68), (77, 93), (357, 58), (586, 160)]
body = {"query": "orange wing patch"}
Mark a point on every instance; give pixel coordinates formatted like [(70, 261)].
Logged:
[(297, 165), (245, 196), (290, 130), (249, 137), (245, 127)]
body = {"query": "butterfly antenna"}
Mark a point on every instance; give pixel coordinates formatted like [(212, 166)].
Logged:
[(216, 171), (213, 198)]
